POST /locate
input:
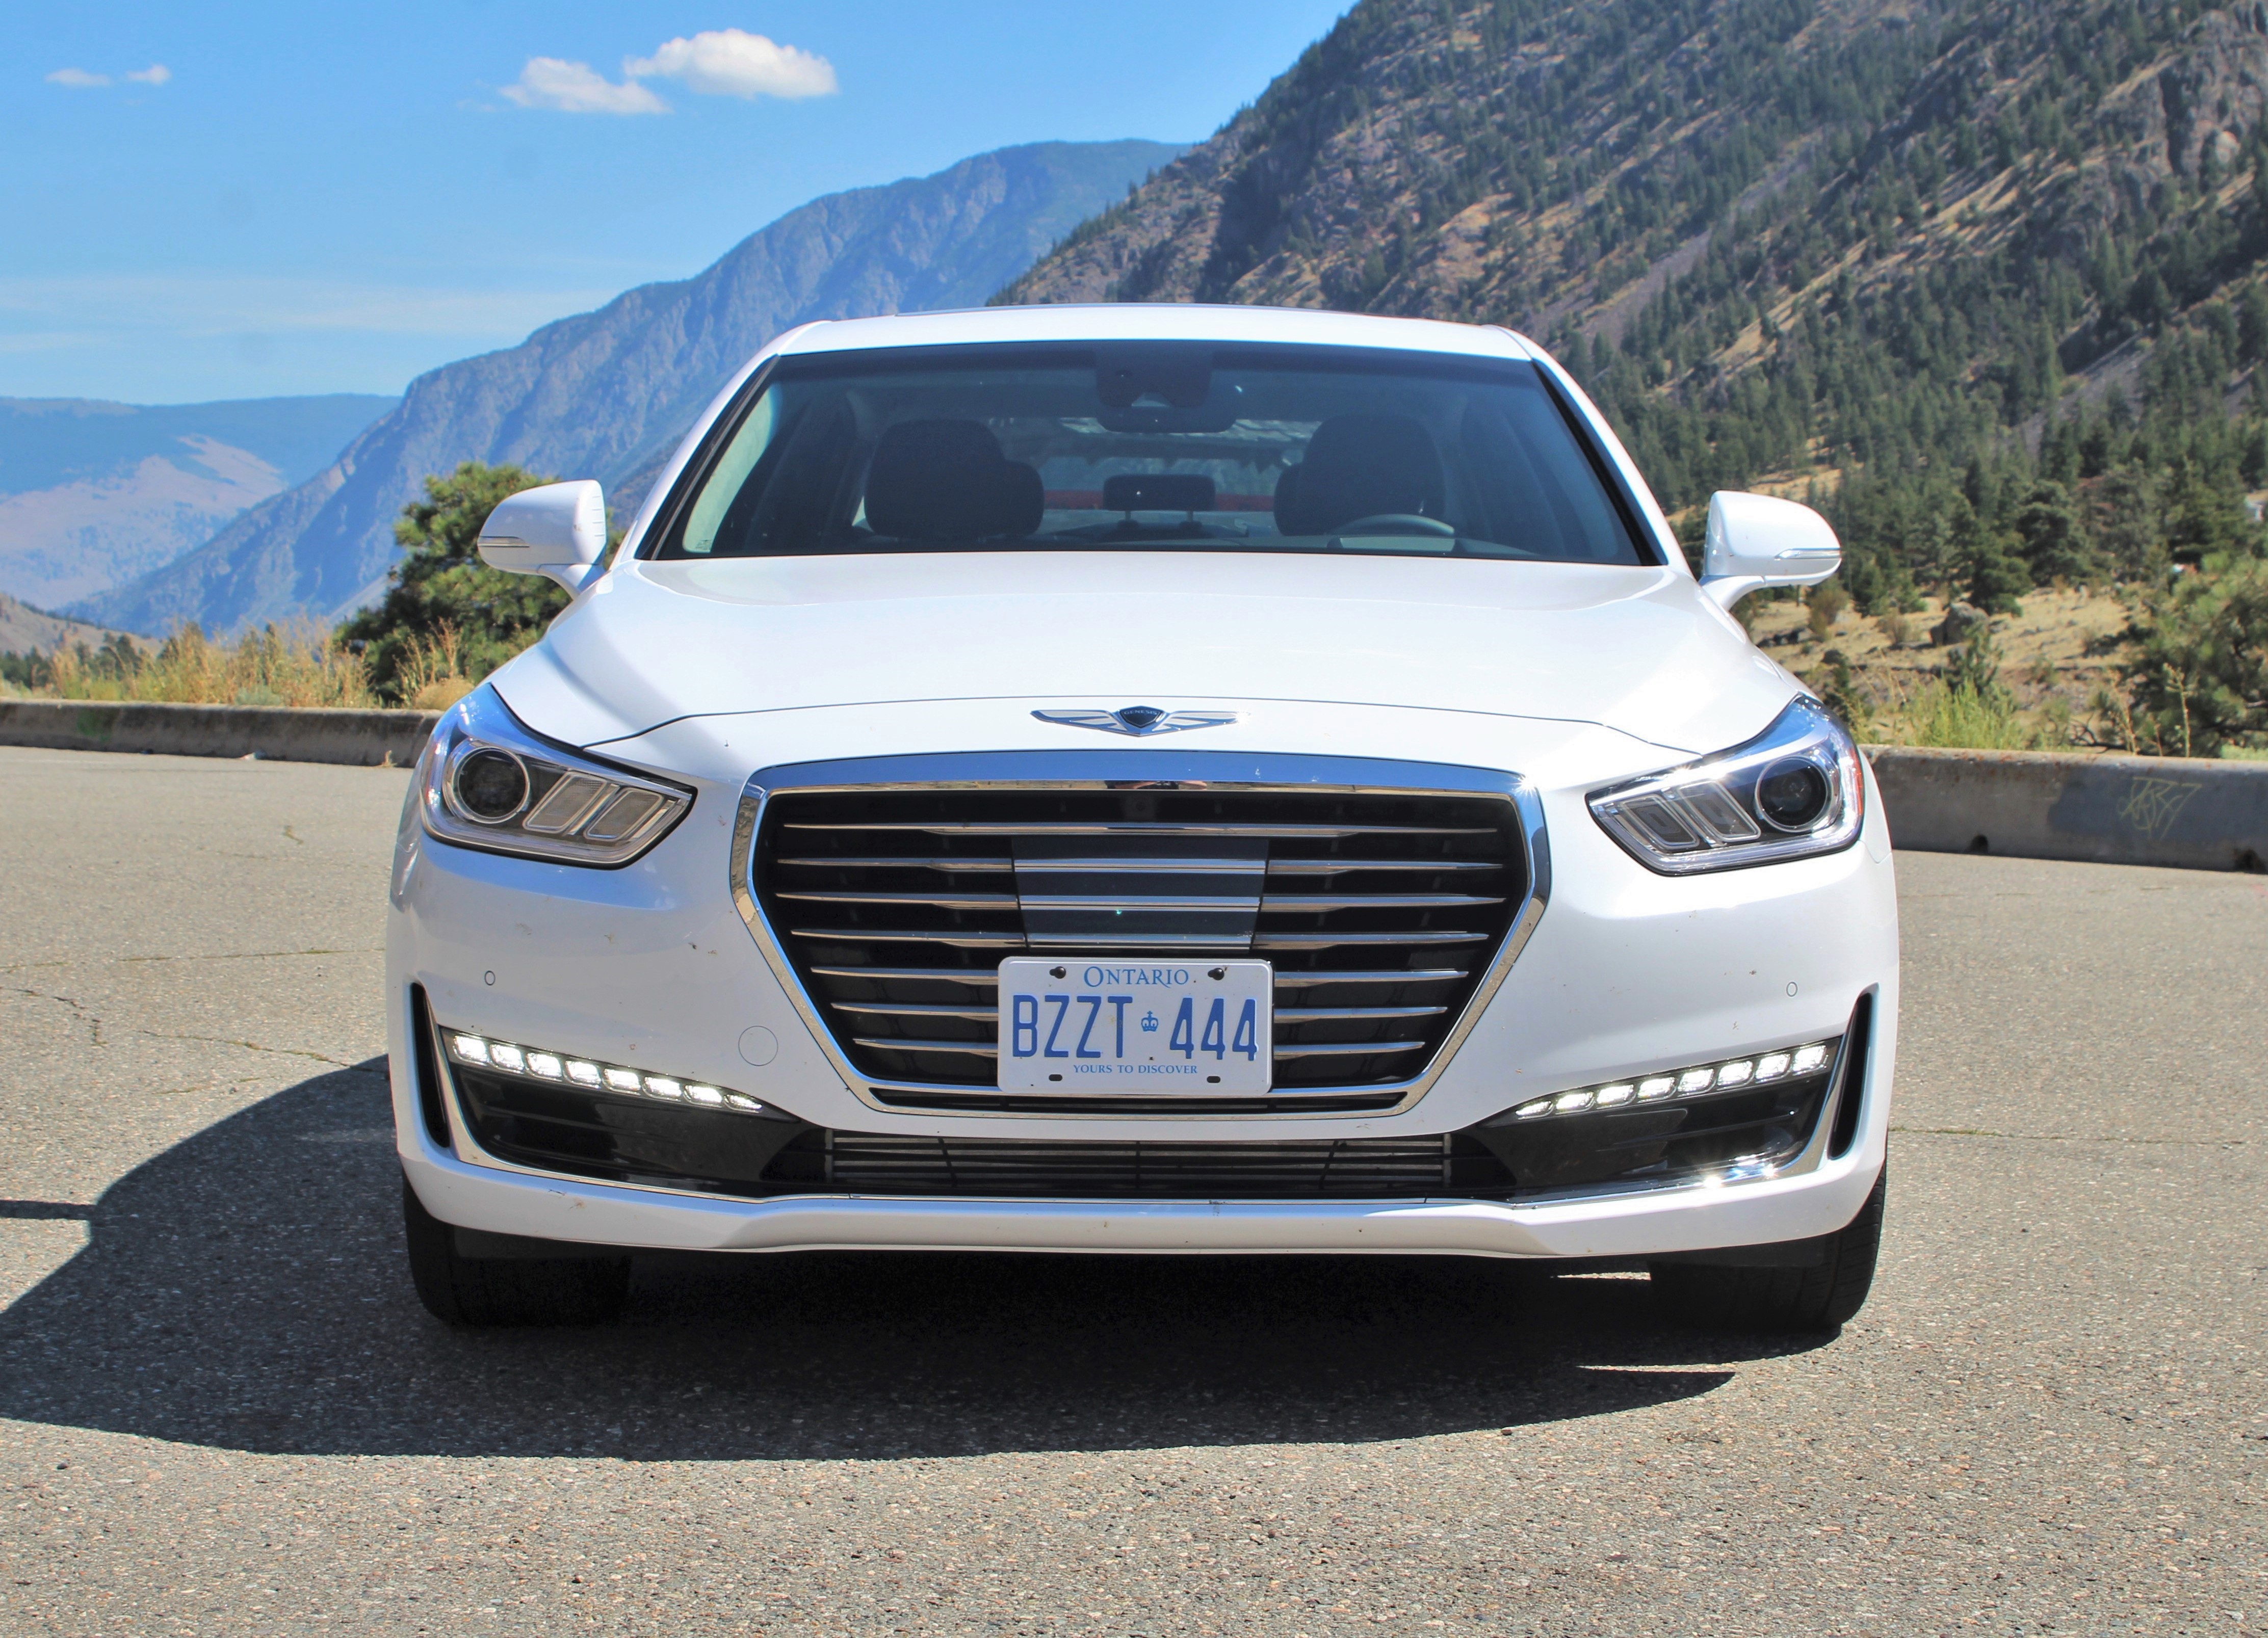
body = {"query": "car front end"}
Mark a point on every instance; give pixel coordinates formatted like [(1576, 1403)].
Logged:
[(1172, 898)]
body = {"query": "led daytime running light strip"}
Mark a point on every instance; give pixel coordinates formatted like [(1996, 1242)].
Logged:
[(1714, 1077), (536, 1065)]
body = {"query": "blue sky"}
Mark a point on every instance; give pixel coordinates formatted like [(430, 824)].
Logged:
[(238, 199)]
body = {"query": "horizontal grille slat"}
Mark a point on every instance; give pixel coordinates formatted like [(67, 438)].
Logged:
[(1300, 833), (980, 978), (1317, 904), (943, 901), (887, 864), (903, 1043), (895, 906), (1136, 867), (1344, 867), (919, 1010), (1311, 1015), (1083, 901), (960, 939), (1414, 975), (1331, 940), (1344, 1049)]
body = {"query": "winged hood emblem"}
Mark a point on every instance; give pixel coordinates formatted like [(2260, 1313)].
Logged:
[(1138, 720)]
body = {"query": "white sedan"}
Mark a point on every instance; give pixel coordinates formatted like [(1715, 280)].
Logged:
[(1146, 779)]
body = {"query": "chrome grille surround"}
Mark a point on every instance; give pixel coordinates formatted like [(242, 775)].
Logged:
[(996, 883)]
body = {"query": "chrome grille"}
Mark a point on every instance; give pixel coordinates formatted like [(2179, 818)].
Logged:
[(1379, 910)]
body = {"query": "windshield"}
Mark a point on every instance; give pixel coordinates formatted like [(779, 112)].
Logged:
[(1149, 446)]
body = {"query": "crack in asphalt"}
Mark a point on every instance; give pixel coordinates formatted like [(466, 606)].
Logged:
[(281, 1052), (94, 1031), (256, 955), (244, 955), (93, 1022), (2072, 1137)]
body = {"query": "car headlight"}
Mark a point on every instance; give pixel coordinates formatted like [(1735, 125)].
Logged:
[(486, 782), (1794, 791)]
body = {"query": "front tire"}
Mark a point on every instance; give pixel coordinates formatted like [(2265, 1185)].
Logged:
[(1823, 1296), (470, 1291)]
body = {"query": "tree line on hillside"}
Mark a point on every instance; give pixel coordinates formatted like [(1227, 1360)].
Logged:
[(1940, 272), (1984, 484), (1936, 416), (1981, 278), (446, 621)]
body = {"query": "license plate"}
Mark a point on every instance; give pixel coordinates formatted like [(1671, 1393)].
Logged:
[(1134, 1026)]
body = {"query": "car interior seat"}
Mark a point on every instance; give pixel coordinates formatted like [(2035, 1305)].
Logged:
[(1360, 465), (949, 480)]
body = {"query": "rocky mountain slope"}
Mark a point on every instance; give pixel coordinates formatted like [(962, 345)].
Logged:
[(606, 394), (28, 631), (92, 493), (1928, 252)]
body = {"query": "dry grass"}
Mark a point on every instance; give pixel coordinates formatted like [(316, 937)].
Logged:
[(433, 675), (2057, 659), (297, 666), (1964, 720)]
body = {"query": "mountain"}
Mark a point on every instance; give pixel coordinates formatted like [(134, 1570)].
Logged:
[(1983, 278), (93, 493), (24, 631), (607, 394)]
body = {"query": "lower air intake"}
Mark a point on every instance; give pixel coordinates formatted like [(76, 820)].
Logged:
[(1351, 1169)]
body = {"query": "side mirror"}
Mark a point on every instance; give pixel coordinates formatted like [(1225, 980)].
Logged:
[(557, 529), (1759, 540)]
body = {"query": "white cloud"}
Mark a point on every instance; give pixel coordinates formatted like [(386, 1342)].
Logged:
[(731, 63), (79, 79), (193, 304), (579, 88)]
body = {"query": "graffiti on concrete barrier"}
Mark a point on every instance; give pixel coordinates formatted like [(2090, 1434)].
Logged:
[(2152, 805)]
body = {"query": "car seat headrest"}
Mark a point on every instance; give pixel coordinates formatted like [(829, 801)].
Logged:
[(948, 480), (1360, 465)]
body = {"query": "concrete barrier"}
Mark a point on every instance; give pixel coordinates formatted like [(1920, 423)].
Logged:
[(281, 733), (2108, 809), (2033, 805)]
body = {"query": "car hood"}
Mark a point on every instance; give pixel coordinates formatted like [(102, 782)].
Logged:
[(1640, 651)]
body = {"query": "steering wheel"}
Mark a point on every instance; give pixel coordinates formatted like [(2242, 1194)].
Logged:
[(1399, 523)]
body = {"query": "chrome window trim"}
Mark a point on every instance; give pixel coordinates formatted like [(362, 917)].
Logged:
[(1130, 768)]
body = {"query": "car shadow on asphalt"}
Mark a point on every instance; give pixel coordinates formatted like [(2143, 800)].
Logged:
[(248, 1289)]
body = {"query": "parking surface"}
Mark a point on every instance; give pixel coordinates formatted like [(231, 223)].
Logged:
[(222, 1410)]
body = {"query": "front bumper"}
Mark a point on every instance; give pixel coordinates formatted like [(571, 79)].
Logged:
[(1694, 1217), (1627, 973)]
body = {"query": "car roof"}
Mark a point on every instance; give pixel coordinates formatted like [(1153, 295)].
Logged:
[(1153, 321)]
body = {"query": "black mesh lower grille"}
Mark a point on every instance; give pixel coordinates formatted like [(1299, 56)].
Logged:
[(1351, 1169), (561, 1130), (617, 1140)]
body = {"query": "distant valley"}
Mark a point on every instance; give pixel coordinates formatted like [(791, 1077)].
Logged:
[(94, 494), (607, 394)]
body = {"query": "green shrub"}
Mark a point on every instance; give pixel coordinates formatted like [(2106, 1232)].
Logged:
[(1958, 718), (442, 598), (2199, 680)]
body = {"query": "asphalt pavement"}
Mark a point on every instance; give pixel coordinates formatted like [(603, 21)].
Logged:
[(223, 1411)]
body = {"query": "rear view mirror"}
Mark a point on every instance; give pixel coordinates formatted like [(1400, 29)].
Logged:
[(1755, 542), (558, 530)]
